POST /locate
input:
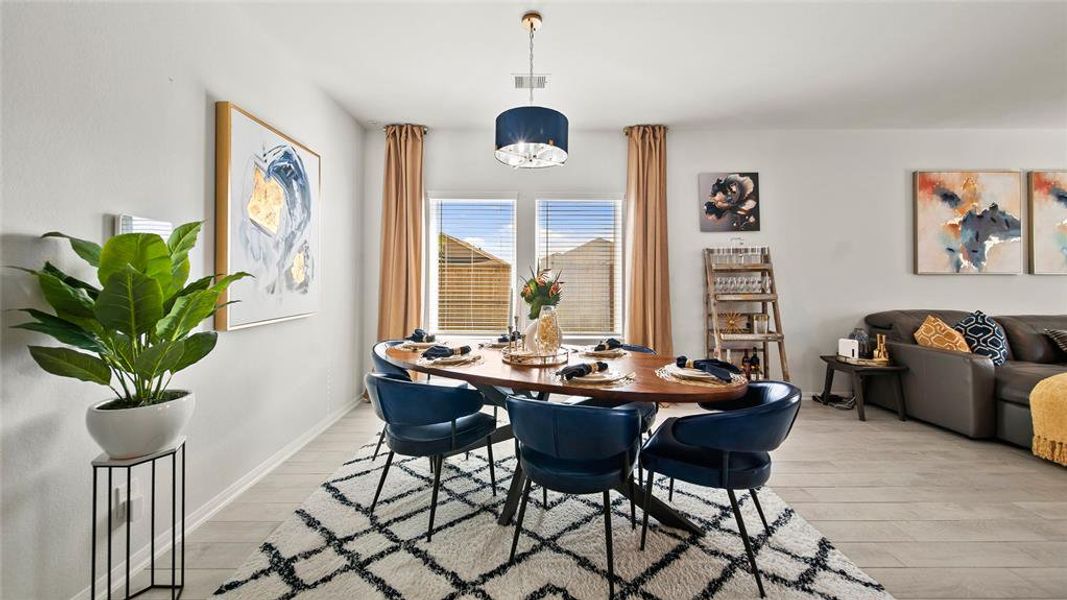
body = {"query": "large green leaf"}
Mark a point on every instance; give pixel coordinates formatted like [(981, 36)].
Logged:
[(225, 281), (155, 360), (200, 284), (122, 345), (71, 363), (89, 251), (179, 275), (74, 282), (182, 240), (67, 300), (197, 346), (130, 302), (60, 329), (188, 311), (145, 252)]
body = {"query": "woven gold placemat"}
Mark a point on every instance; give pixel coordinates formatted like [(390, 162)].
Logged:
[(664, 374), (427, 362), (622, 381)]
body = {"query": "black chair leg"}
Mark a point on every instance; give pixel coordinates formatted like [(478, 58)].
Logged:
[(759, 509), (381, 482), (748, 542), (544, 496), (670, 491), (633, 511), (381, 438), (607, 540), (492, 469), (439, 460), (518, 520), (649, 478), (433, 464)]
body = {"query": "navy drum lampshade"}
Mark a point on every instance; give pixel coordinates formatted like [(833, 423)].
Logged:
[(531, 137)]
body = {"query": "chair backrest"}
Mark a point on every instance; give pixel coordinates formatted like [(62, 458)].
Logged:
[(573, 432), (401, 402), (382, 364), (761, 427)]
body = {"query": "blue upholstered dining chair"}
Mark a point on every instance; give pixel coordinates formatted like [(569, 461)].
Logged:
[(647, 410), (385, 366), (575, 450), (429, 421), (725, 450)]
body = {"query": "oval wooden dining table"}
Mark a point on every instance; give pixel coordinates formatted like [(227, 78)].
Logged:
[(491, 373)]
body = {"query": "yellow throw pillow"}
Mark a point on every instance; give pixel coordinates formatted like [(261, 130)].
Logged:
[(935, 333)]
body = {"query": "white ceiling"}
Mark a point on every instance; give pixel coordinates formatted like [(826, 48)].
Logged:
[(695, 64)]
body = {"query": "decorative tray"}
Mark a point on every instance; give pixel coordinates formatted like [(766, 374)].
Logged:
[(864, 362), (527, 358)]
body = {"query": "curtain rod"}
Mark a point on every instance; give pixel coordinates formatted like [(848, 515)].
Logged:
[(425, 129)]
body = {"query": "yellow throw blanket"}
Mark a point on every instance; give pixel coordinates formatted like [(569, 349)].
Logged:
[(1048, 409)]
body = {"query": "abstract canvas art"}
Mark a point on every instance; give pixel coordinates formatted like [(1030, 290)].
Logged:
[(1048, 222), (729, 201), (968, 222), (267, 220)]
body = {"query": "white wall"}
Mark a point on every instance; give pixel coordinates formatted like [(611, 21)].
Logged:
[(462, 161), (836, 212), (109, 109)]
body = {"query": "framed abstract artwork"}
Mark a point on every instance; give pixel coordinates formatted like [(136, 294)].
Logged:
[(267, 221), (968, 222), (729, 201), (1048, 222)]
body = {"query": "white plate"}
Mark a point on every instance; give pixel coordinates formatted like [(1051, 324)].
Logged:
[(458, 359), (495, 344), (685, 373), (419, 345), (602, 376), (613, 353)]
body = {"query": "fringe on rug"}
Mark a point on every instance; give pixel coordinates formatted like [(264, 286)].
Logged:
[(1053, 450)]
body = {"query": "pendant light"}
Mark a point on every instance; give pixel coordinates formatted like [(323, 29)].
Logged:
[(531, 137)]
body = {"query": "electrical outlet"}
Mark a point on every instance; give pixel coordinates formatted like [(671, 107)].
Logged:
[(119, 508)]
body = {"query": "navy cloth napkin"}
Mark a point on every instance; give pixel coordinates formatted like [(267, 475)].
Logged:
[(503, 339), (612, 343), (439, 351), (721, 370), (581, 370), (420, 336)]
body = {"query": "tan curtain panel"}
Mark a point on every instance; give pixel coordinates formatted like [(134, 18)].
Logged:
[(648, 303), (400, 283)]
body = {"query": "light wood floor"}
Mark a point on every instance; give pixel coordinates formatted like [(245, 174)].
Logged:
[(928, 513)]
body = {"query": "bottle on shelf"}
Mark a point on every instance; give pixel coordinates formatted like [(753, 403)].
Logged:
[(746, 365), (754, 366)]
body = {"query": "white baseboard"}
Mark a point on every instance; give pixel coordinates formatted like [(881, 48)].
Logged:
[(140, 559)]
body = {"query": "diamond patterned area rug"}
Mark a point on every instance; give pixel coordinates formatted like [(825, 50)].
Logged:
[(333, 548)]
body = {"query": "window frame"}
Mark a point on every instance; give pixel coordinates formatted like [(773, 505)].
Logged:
[(524, 232), (619, 201), (430, 256)]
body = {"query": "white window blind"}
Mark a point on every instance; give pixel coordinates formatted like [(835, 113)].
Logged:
[(472, 271), (582, 239)]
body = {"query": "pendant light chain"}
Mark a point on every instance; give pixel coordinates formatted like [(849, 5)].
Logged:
[(530, 82)]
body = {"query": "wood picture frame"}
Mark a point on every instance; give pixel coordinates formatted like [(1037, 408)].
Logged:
[(268, 196)]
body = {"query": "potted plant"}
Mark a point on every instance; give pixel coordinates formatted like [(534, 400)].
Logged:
[(131, 333)]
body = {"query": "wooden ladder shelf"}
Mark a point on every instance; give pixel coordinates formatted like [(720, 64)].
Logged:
[(736, 277)]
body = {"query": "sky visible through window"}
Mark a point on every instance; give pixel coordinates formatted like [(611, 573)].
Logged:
[(489, 225)]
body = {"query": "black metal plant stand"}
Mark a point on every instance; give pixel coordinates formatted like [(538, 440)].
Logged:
[(105, 462)]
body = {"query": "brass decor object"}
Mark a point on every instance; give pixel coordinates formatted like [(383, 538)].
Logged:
[(737, 277), (525, 358)]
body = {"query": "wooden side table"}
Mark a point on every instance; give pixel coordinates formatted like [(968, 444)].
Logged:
[(859, 374)]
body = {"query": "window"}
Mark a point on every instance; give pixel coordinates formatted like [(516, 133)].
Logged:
[(582, 239), (471, 271)]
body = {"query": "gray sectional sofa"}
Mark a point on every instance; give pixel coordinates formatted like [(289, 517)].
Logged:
[(964, 392)]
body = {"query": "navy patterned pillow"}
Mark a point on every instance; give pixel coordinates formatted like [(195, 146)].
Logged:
[(984, 336)]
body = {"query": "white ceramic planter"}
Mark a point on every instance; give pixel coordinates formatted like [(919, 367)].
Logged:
[(134, 432)]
